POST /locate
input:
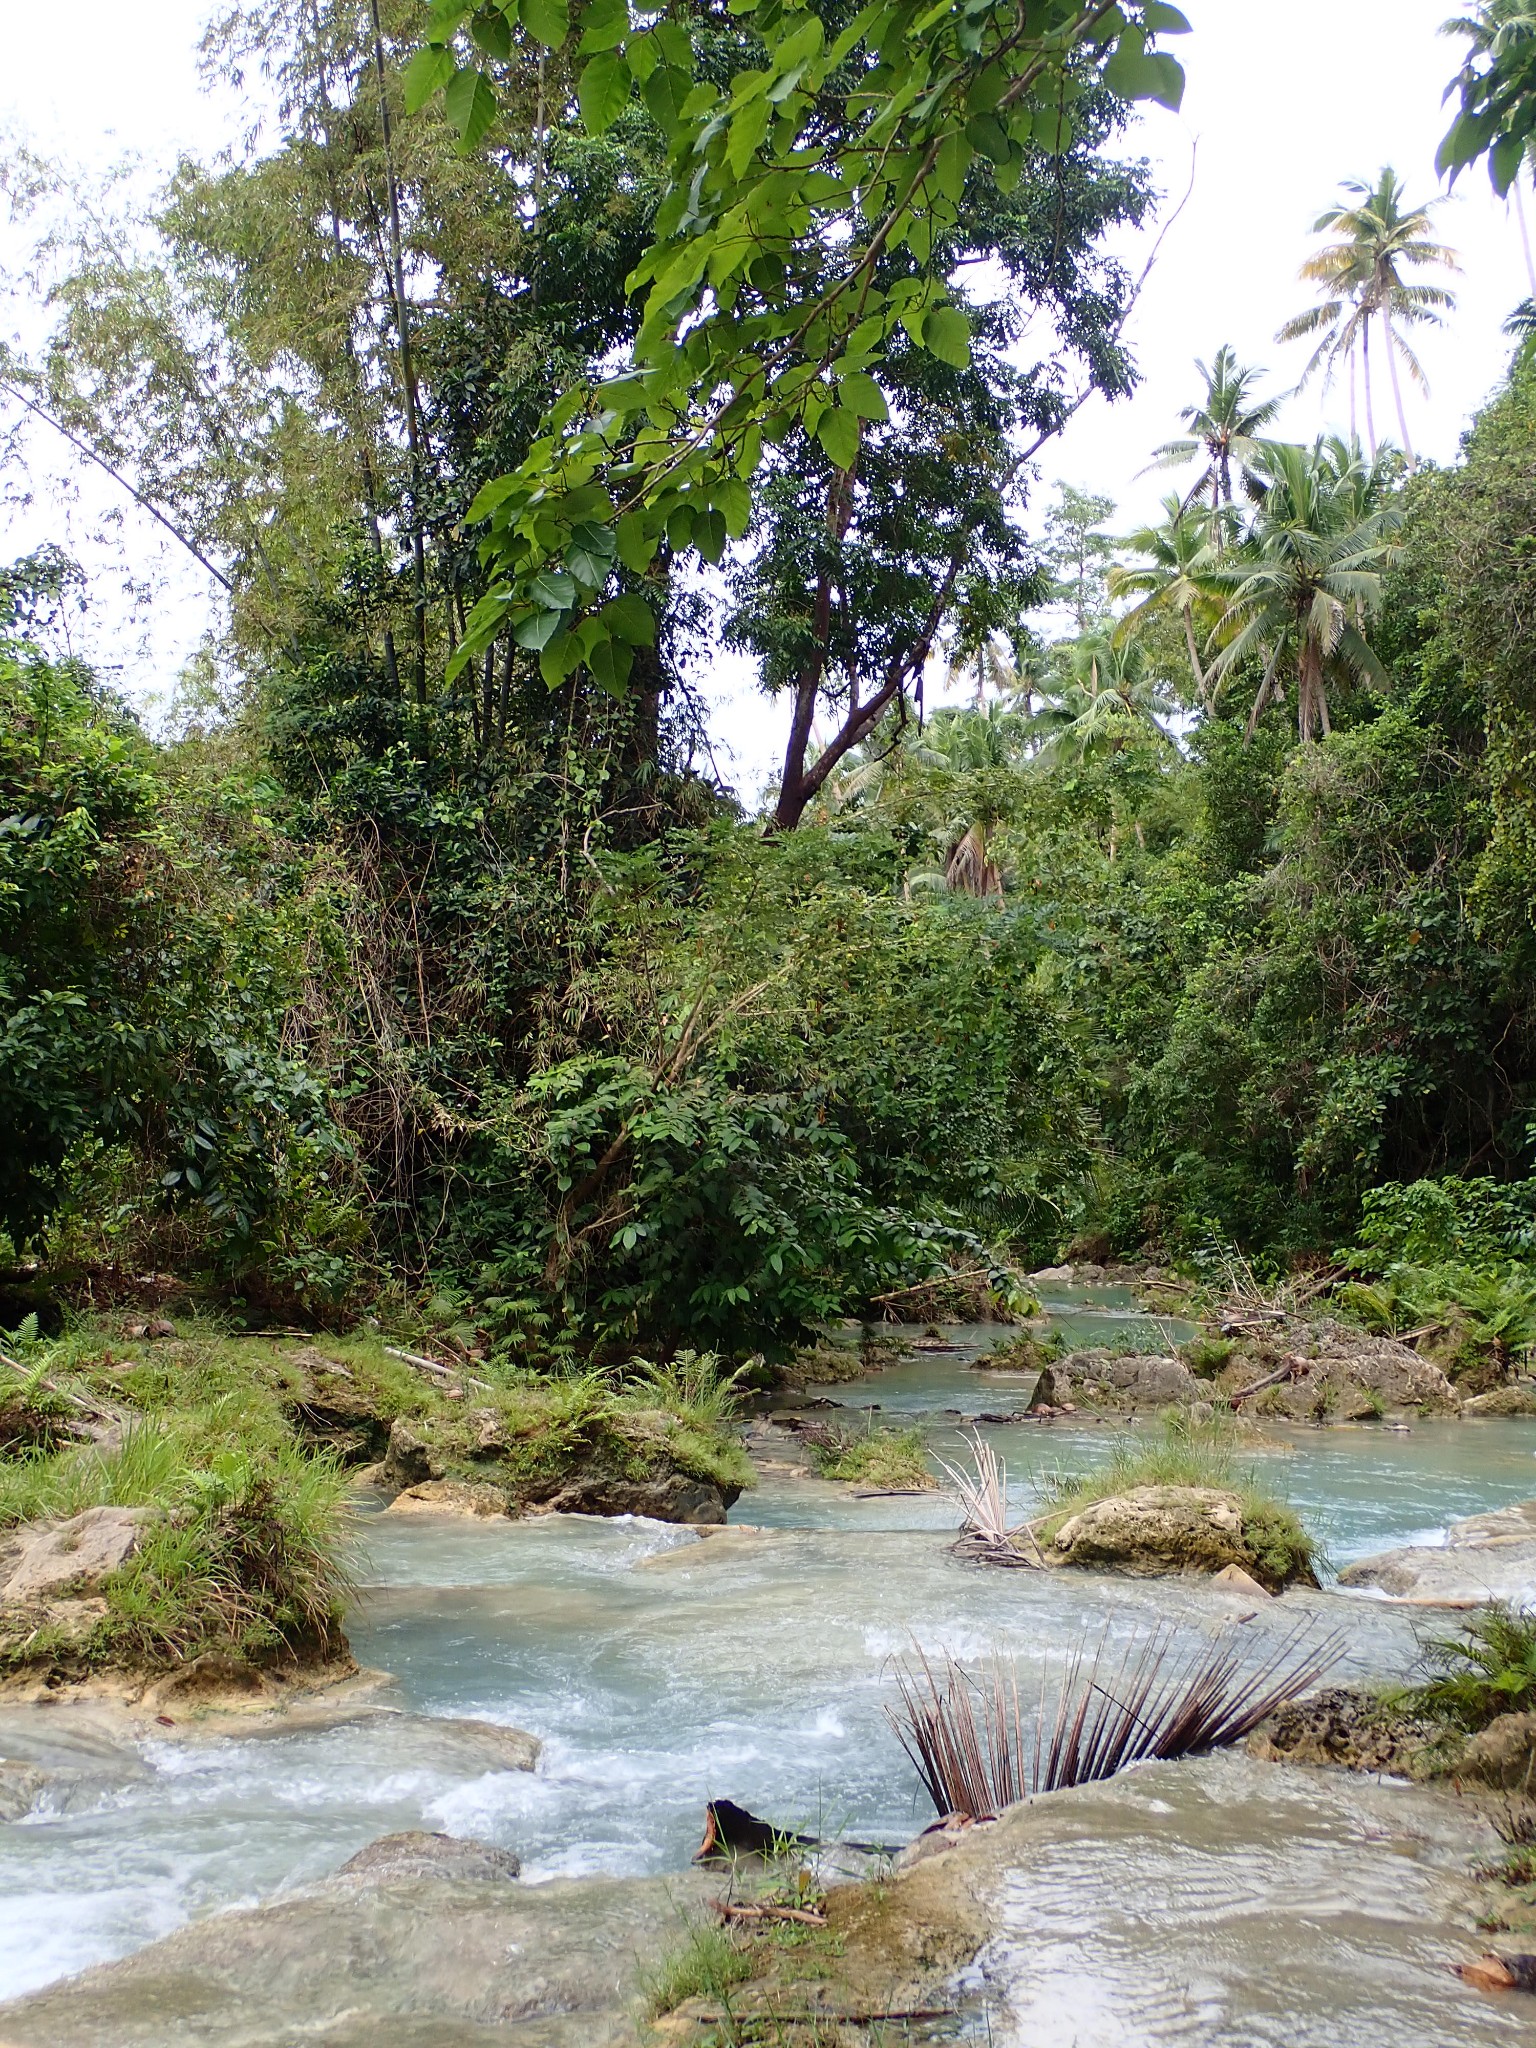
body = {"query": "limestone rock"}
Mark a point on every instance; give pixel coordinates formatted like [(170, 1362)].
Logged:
[(671, 1497), (19, 1786), (1155, 1531), (408, 1462), (450, 1497), (415, 1853), (1127, 1379), (77, 1554), (510, 1749), (1339, 1373), (1517, 1399), (1485, 1557), (1240, 1581), (1502, 1755), (431, 1963), (1342, 1727)]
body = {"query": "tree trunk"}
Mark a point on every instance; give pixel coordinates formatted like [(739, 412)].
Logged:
[(407, 365), (1370, 409), (1194, 655), (1525, 236), (1397, 389)]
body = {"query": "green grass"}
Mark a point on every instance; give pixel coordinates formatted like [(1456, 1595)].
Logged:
[(1486, 1668), (890, 1460), (250, 1552), (707, 1962), (1188, 1452)]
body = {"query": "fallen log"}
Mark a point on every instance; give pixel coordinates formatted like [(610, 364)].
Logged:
[(1293, 1369)]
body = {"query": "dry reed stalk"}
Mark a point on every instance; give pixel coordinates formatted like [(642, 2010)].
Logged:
[(985, 1532), (965, 1735)]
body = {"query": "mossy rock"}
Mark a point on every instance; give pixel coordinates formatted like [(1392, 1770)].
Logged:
[(1173, 1531)]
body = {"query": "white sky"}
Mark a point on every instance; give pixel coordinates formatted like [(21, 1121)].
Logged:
[(1283, 103)]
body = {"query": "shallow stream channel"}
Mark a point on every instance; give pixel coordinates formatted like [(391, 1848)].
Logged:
[(1221, 1901)]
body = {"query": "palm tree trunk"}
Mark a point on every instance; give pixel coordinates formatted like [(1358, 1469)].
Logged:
[(1354, 429), (1397, 389), (1370, 410), (1525, 237), (1194, 652)]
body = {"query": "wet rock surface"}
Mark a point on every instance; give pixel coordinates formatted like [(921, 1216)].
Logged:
[(1344, 1727), (417, 1853), (1484, 1557), (383, 1955), (670, 1497)]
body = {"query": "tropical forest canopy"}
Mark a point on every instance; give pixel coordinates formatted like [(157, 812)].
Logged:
[(534, 355)]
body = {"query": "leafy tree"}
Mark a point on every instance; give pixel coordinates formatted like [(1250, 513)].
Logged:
[(1361, 279), (1496, 87), (815, 207), (1079, 554)]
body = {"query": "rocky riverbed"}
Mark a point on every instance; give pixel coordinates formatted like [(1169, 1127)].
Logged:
[(661, 1666)]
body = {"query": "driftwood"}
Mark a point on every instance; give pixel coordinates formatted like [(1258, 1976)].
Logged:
[(1499, 1973), (1293, 1369), (434, 1365), (801, 1916)]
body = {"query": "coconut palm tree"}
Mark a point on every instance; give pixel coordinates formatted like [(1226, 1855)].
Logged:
[(1103, 697), (1225, 428), (1361, 280), (1175, 575), (1310, 578)]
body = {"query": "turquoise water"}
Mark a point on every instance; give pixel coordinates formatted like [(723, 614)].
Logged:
[(662, 1668)]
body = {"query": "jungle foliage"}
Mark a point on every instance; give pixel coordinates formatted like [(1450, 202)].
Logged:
[(429, 963)]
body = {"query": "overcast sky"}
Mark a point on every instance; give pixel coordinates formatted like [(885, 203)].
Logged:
[(1281, 104)]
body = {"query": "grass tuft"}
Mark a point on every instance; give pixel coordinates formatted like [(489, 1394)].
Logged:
[(891, 1460), (708, 1962)]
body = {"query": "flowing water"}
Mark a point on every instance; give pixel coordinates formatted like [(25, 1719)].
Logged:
[(662, 1669)]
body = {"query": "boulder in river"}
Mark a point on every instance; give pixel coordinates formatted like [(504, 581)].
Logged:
[(668, 1497), (1502, 1755), (1486, 1557), (1126, 1379), (1170, 1531)]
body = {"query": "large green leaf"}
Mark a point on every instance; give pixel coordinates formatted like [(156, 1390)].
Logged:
[(947, 335), (470, 105), (603, 91)]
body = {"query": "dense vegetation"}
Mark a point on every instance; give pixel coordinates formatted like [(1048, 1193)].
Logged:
[(426, 971)]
